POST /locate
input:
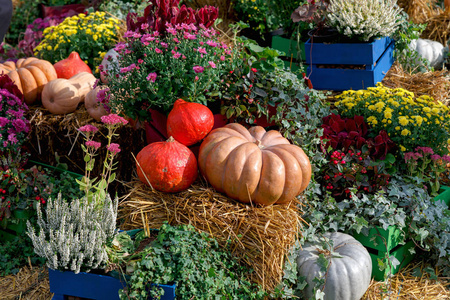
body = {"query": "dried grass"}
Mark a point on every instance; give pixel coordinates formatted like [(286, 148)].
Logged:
[(435, 84), (419, 11), (259, 236), (438, 27), (52, 134), (29, 283), (405, 286)]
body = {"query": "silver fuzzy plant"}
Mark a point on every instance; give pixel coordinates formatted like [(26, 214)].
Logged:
[(73, 236), (364, 18)]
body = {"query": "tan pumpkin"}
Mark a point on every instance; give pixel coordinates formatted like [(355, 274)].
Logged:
[(30, 75), (254, 165), (93, 107), (84, 82), (59, 96)]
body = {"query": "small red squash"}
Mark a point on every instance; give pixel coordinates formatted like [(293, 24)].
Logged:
[(71, 66), (168, 166), (189, 122)]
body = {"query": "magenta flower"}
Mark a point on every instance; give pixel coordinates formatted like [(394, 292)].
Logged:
[(198, 69), (113, 148), (446, 158), (425, 150), (212, 44), (202, 50), (128, 34), (212, 64), (151, 77), (3, 121), (93, 144), (157, 50), (435, 157), (113, 119), (88, 128), (176, 54), (144, 26), (171, 30), (222, 58)]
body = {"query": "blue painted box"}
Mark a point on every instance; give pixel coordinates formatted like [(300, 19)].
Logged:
[(92, 286), (343, 66)]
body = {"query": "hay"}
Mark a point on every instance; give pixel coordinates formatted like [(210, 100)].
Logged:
[(29, 283), (405, 286), (438, 27), (259, 236), (435, 84), (52, 134), (419, 11)]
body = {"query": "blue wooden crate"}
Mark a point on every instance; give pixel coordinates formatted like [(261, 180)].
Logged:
[(329, 64), (92, 286), (346, 53)]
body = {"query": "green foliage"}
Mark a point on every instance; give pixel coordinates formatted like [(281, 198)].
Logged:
[(256, 13), (200, 267), (120, 9), (15, 254), (23, 14)]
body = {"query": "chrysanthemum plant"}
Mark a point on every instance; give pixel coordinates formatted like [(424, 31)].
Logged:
[(89, 34), (96, 189)]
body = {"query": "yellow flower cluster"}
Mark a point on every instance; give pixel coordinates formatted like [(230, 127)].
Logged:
[(90, 35), (409, 121)]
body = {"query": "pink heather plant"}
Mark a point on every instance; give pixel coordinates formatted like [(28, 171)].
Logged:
[(96, 189), (14, 127), (154, 70), (426, 166)]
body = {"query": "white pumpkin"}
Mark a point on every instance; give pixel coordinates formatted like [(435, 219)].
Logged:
[(432, 51), (348, 276), (111, 57)]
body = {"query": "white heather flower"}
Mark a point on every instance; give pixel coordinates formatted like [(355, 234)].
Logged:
[(364, 19)]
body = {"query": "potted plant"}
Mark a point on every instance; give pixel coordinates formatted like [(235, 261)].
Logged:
[(361, 43), (179, 44)]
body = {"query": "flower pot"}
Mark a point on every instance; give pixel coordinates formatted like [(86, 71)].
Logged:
[(382, 244), (324, 35), (289, 48), (344, 66), (92, 286), (444, 195)]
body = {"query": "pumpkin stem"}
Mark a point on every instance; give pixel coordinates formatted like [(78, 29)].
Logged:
[(170, 139), (258, 143)]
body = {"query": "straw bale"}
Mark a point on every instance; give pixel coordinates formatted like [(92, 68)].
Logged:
[(259, 236), (419, 11), (438, 27), (405, 286), (29, 283), (435, 84), (52, 134)]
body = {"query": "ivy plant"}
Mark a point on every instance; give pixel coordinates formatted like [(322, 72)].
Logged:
[(194, 261)]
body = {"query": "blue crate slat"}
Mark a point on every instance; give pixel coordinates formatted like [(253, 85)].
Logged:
[(346, 53), (93, 286), (339, 79)]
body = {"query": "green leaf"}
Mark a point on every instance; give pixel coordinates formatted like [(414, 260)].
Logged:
[(87, 157), (112, 177)]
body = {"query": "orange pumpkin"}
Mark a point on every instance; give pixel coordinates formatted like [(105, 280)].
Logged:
[(254, 165), (59, 96), (30, 75)]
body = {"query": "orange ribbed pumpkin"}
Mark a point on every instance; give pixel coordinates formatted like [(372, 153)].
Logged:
[(254, 165), (189, 122), (30, 75), (168, 166)]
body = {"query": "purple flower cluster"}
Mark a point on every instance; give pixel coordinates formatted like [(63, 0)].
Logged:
[(13, 124)]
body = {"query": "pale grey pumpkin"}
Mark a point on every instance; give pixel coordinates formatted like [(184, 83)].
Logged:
[(348, 276)]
